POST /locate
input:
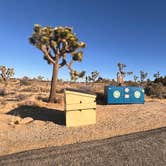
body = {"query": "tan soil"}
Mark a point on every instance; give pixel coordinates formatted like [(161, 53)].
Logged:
[(112, 120), (45, 130)]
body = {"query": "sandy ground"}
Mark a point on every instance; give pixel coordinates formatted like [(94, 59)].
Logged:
[(128, 150), (48, 129)]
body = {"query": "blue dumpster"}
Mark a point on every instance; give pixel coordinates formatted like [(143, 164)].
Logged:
[(124, 95)]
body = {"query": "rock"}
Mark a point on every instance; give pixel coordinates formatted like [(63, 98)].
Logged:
[(15, 120), (26, 120)]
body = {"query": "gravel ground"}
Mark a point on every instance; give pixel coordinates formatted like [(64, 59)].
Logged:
[(144, 148), (47, 129)]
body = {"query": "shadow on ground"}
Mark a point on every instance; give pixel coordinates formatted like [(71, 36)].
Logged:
[(101, 99), (39, 113)]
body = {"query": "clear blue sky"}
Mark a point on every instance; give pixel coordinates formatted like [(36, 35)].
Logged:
[(128, 31)]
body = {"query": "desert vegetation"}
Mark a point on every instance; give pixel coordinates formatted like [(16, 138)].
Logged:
[(56, 43), (6, 73), (29, 121)]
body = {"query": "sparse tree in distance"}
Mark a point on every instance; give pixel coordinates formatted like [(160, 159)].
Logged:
[(157, 75), (121, 74), (143, 75), (135, 78), (56, 44), (94, 76), (6, 73), (40, 78)]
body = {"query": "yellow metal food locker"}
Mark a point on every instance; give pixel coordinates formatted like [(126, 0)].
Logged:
[(80, 108)]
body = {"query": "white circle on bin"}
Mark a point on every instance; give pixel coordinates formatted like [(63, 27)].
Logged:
[(137, 94), (126, 90), (116, 94)]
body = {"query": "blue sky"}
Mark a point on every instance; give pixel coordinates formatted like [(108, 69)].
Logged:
[(128, 31)]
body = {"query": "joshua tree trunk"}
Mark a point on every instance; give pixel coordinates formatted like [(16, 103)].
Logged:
[(53, 96), (120, 79)]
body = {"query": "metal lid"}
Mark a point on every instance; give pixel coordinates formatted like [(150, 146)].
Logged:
[(86, 91)]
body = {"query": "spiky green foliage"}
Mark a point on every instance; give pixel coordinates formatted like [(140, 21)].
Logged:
[(58, 42)]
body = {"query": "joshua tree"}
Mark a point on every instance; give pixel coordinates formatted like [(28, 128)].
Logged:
[(143, 75), (6, 73), (135, 78), (56, 43), (121, 74), (94, 76), (157, 75), (40, 78)]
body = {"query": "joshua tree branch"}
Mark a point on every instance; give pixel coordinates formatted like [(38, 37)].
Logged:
[(62, 63), (63, 60), (65, 63), (47, 54), (64, 47), (71, 62), (69, 65), (4, 77)]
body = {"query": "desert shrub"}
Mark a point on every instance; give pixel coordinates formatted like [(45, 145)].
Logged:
[(30, 89), (16, 122), (161, 80), (44, 89), (156, 90), (41, 98), (131, 83), (59, 99), (3, 92), (25, 81), (35, 89), (21, 97)]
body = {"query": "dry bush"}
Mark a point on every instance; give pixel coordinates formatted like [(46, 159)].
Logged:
[(131, 83), (21, 97), (60, 98), (30, 89), (44, 90), (156, 90), (3, 92), (25, 82), (42, 98)]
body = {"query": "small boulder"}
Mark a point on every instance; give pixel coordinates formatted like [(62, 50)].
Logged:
[(26, 120)]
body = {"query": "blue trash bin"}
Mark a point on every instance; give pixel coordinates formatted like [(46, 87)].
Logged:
[(124, 95)]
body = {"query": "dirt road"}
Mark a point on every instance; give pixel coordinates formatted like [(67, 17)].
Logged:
[(143, 148)]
